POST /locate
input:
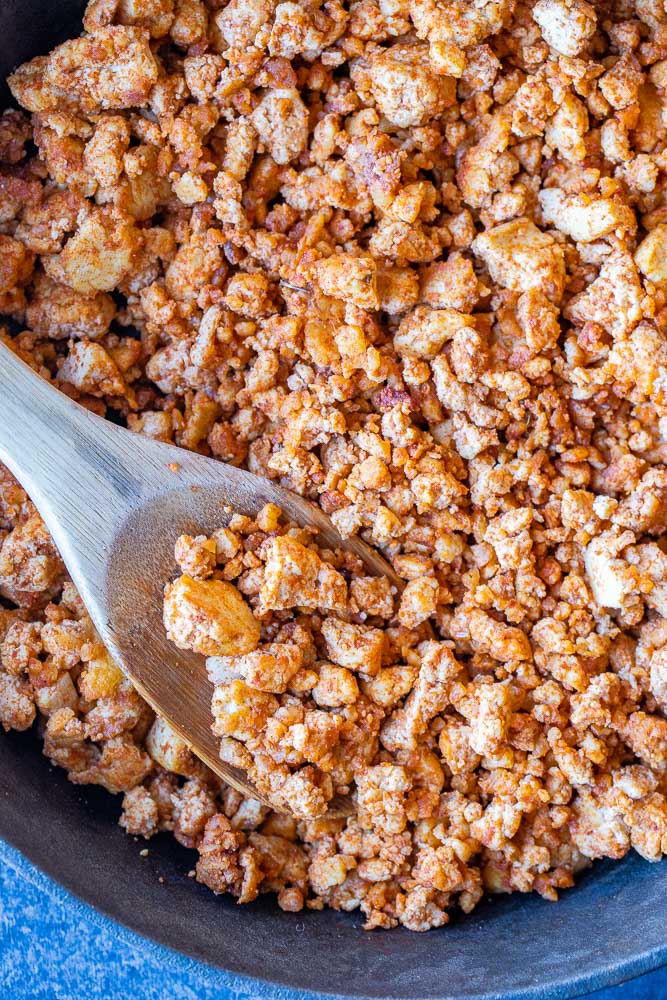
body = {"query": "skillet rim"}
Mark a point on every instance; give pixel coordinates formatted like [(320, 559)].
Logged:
[(217, 976), (77, 848)]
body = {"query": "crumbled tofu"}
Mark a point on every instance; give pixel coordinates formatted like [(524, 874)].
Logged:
[(336, 686), (610, 577), (295, 576), (357, 647), (424, 331), (615, 300), (99, 254), (281, 122), (268, 669), (566, 25), (210, 617), (651, 255), (584, 219), (168, 750), (113, 67), (353, 279), (521, 257)]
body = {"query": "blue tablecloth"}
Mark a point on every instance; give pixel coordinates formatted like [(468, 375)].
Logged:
[(50, 950)]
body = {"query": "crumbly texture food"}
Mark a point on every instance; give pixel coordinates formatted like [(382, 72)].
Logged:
[(406, 258)]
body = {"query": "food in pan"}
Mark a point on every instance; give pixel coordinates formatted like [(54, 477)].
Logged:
[(406, 258)]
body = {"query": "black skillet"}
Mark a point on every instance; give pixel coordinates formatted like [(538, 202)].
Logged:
[(612, 926)]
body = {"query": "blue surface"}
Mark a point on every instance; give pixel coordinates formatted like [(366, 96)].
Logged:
[(51, 948)]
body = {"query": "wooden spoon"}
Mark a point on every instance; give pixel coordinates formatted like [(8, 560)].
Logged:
[(115, 502)]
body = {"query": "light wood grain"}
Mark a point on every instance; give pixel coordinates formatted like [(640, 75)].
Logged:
[(114, 503)]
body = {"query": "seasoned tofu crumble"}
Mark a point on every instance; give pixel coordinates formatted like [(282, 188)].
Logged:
[(407, 258)]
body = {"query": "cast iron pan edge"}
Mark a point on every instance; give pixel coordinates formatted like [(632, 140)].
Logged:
[(611, 927)]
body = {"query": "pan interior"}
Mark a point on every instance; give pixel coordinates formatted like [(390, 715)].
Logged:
[(610, 927)]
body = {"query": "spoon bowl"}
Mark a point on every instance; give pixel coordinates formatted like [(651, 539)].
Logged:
[(115, 502)]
